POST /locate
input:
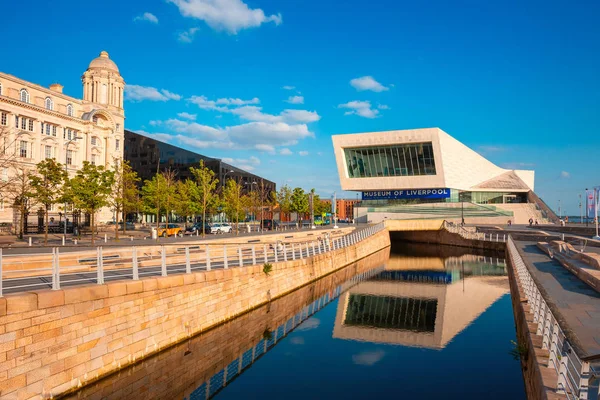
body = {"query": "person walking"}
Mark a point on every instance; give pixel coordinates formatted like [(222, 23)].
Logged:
[(530, 221)]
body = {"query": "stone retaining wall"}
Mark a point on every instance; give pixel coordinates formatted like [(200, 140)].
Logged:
[(446, 238), (50, 341)]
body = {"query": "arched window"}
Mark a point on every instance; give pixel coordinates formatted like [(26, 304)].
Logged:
[(24, 96), (49, 104), (69, 110)]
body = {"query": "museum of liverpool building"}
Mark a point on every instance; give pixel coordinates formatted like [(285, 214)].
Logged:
[(426, 173)]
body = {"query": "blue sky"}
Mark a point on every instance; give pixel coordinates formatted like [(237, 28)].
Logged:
[(517, 81)]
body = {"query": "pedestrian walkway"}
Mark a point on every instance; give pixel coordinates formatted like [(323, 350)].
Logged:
[(574, 303)]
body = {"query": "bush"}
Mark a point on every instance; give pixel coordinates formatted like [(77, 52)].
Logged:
[(267, 268)]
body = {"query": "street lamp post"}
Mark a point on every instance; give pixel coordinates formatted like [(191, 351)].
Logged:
[(587, 196), (67, 172), (580, 210), (596, 192)]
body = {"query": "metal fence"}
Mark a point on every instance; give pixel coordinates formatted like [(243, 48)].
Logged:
[(55, 269), (472, 234), (574, 375)]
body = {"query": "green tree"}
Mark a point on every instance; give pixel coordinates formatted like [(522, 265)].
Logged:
[(90, 189), (125, 195), (46, 187), (19, 192), (299, 202), (284, 200), (158, 195), (232, 201), (187, 199), (207, 183)]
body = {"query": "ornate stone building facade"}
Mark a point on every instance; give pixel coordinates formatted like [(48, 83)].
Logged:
[(38, 123)]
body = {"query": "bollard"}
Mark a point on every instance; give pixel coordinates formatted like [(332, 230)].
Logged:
[(188, 264), (29, 241), (225, 265), (163, 261), (253, 255), (105, 238), (134, 262), (63, 240), (207, 258), (75, 241), (100, 267), (240, 255), (131, 237)]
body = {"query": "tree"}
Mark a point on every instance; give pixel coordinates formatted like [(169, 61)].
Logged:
[(207, 183), (8, 160), (232, 200), (90, 189), (284, 199), (124, 197), (187, 199), (46, 187), (19, 192), (299, 202), (158, 195)]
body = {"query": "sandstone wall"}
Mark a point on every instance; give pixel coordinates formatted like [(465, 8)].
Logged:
[(50, 341)]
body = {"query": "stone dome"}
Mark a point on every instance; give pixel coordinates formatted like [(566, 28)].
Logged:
[(103, 62)]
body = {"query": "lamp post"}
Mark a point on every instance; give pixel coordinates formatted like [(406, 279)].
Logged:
[(596, 192), (580, 210), (67, 172), (587, 196), (559, 210)]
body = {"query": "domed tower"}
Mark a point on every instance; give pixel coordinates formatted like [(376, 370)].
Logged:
[(102, 83)]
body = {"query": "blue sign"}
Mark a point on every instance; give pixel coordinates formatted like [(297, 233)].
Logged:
[(406, 194)]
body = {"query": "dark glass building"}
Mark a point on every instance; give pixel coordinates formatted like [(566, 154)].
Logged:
[(146, 155)]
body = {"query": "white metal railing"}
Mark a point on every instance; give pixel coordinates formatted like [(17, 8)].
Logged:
[(472, 234), (573, 373), (55, 268)]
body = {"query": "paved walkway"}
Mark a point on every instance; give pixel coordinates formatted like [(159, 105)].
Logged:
[(570, 299)]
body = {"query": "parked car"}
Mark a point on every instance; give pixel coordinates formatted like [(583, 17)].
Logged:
[(197, 227), (221, 228), (170, 230), (269, 224)]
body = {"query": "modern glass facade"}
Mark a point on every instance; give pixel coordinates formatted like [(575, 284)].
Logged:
[(397, 160)]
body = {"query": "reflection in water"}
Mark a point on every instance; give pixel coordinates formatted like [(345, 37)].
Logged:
[(393, 317), (201, 367), (421, 301)]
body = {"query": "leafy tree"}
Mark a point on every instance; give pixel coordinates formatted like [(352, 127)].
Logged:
[(207, 184), (46, 186), (284, 199), (19, 192), (187, 196), (299, 202), (125, 196), (90, 189), (232, 201), (158, 195)]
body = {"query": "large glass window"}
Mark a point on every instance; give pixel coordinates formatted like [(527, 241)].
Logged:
[(399, 160)]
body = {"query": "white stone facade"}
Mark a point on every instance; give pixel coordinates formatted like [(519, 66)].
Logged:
[(456, 166), (38, 122)]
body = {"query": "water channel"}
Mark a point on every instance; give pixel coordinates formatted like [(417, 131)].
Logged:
[(420, 322)]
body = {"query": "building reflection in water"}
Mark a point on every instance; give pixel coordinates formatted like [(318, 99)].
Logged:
[(422, 301)]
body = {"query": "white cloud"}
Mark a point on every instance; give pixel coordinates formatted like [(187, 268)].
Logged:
[(367, 83), (368, 358), (227, 15), (204, 103), (285, 152), (186, 115), (383, 107), (286, 87), (303, 153), (155, 123), (360, 108), (266, 148), (299, 340), (295, 100), (277, 134), (141, 93), (237, 102), (565, 175), (248, 164), (194, 128), (187, 36), (149, 17), (301, 116)]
